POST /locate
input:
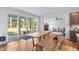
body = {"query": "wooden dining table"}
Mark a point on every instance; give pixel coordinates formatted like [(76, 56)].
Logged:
[(38, 35), (47, 45), (52, 44)]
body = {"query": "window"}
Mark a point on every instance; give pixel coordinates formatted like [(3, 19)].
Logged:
[(20, 26), (23, 25), (33, 24), (12, 25)]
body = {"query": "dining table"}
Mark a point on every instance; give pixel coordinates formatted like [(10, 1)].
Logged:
[(38, 36)]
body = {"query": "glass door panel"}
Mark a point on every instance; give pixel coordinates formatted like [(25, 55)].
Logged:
[(33, 25), (12, 25), (23, 25)]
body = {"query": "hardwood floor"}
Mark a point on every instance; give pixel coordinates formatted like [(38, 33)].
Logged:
[(26, 45), (69, 46)]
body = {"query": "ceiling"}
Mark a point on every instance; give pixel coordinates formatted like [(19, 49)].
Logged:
[(40, 11)]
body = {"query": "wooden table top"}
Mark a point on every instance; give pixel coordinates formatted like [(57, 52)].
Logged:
[(38, 34)]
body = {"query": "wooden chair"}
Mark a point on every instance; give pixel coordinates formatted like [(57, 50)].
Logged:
[(39, 48), (60, 43)]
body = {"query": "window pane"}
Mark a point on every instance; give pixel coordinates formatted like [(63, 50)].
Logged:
[(23, 25), (12, 25), (33, 24)]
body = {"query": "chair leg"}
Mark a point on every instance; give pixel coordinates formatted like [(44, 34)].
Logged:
[(39, 48)]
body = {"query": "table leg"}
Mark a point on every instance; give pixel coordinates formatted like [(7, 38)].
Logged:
[(39, 38), (33, 43)]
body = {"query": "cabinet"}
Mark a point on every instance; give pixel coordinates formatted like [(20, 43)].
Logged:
[(74, 20), (73, 36), (78, 18)]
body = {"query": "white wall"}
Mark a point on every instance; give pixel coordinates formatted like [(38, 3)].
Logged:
[(3, 22), (62, 23), (67, 25), (41, 23), (3, 17), (53, 23)]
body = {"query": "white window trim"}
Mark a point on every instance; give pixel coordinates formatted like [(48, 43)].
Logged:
[(16, 37)]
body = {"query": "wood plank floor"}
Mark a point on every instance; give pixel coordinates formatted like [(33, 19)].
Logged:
[(69, 46), (26, 45)]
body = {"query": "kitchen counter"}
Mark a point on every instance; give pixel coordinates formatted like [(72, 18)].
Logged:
[(77, 34)]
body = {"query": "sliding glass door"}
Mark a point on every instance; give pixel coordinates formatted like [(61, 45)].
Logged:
[(33, 25), (19, 25), (22, 25), (12, 25)]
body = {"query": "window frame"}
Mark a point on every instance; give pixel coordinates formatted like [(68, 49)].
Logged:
[(13, 37), (34, 19), (20, 17), (17, 24)]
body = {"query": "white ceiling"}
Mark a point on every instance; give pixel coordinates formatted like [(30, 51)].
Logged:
[(40, 11)]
